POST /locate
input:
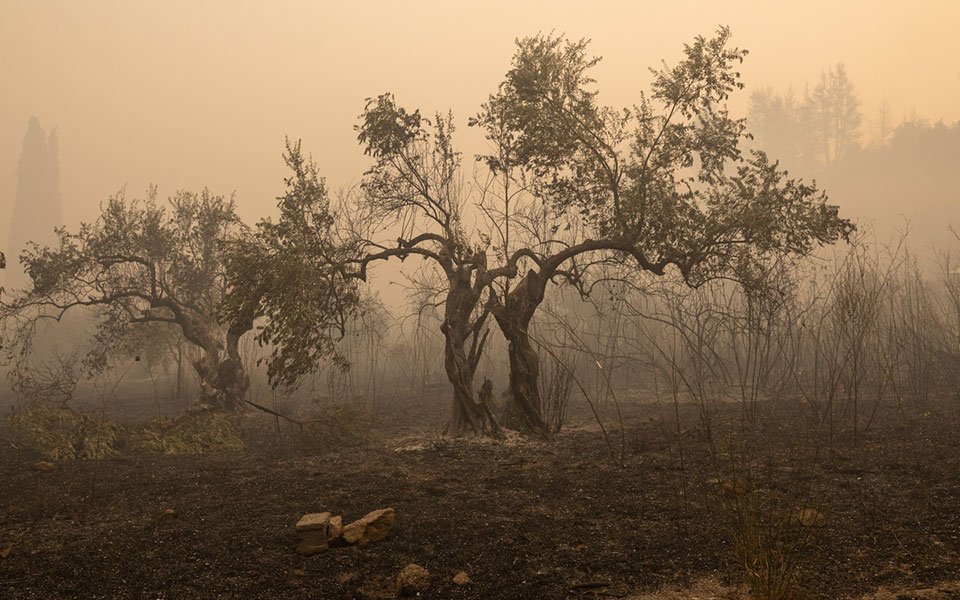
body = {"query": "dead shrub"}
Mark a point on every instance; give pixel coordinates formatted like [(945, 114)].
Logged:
[(190, 433), (555, 387), (61, 433), (324, 428), (337, 426), (770, 533)]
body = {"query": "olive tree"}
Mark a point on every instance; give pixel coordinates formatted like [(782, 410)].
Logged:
[(663, 184), (142, 264)]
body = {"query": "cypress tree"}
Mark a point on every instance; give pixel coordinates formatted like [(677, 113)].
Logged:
[(36, 210)]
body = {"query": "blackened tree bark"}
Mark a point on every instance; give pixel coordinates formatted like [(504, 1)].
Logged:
[(514, 316), (465, 335)]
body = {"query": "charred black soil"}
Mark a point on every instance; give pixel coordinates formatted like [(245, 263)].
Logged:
[(524, 519)]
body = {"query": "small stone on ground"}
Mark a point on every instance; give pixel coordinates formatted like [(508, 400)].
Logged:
[(373, 527), (462, 578), (313, 521), (412, 579)]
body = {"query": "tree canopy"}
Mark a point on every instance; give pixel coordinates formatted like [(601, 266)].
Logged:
[(287, 272), (664, 183)]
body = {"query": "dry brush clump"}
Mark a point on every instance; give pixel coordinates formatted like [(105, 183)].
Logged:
[(48, 419), (770, 539), (62, 433), (556, 386), (337, 426), (190, 433), (311, 427)]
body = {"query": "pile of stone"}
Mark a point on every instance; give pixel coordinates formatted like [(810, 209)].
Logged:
[(319, 531)]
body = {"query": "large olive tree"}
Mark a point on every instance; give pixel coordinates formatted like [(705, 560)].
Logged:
[(663, 183)]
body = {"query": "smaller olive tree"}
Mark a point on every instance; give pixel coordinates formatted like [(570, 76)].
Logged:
[(140, 265), (285, 272)]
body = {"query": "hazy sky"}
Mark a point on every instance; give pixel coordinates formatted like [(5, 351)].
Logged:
[(187, 94)]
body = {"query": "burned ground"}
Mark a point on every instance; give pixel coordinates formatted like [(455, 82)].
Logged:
[(524, 519)]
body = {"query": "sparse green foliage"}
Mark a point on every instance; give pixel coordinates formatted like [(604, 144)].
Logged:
[(288, 272), (667, 177), (387, 129), (64, 434)]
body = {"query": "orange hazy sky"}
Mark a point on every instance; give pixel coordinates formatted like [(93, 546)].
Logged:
[(187, 94)]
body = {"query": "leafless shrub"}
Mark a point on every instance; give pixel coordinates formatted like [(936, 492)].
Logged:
[(51, 381), (737, 344), (555, 388), (770, 534)]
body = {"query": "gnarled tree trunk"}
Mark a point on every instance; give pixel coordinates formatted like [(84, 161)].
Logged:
[(232, 381), (467, 412), (223, 380), (514, 316), (460, 363)]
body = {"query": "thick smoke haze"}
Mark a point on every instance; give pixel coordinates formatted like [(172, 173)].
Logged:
[(187, 95), (416, 298)]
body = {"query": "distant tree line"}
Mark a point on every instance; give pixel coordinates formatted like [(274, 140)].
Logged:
[(899, 176), (813, 130)]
